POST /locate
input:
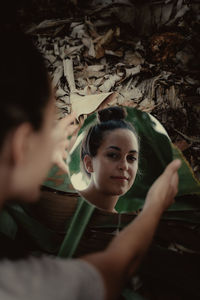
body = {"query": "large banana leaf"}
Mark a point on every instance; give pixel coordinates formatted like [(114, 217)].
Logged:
[(76, 228), (8, 226), (43, 237), (156, 151), (129, 294), (188, 185)]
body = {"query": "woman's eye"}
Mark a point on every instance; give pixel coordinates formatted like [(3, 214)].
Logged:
[(131, 158), (112, 155)]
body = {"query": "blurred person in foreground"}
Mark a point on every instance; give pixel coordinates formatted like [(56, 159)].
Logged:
[(29, 144)]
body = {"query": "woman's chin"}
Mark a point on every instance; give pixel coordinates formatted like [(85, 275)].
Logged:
[(121, 192)]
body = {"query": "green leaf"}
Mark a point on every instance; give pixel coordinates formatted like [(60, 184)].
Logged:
[(8, 226), (129, 294), (58, 180), (188, 185), (41, 235), (188, 182), (156, 151), (76, 228)]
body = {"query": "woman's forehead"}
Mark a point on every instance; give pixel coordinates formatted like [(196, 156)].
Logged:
[(121, 138)]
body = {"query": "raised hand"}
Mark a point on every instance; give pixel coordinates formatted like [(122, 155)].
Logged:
[(164, 189), (62, 131)]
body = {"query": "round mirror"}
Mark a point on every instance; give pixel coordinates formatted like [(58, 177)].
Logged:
[(154, 153)]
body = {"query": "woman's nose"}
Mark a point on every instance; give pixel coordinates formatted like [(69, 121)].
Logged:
[(123, 164)]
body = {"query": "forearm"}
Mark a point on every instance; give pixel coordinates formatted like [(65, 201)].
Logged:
[(125, 252), (135, 239)]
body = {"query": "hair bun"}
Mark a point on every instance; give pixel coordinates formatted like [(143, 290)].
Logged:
[(111, 113)]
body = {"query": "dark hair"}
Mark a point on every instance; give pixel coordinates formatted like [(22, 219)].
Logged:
[(24, 83), (109, 119)]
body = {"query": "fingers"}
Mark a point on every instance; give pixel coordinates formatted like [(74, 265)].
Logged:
[(172, 168), (62, 165), (61, 134), (66, 121), (174, 183), (171, 176), (64, 154), (71, 129), (164, 189), (64, 128)]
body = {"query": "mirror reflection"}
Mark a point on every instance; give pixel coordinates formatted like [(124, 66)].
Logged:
[(111, 154)]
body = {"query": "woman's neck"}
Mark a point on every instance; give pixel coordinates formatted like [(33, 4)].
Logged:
[(99, 199)]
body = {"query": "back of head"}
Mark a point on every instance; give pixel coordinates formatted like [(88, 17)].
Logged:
[(24, 83)]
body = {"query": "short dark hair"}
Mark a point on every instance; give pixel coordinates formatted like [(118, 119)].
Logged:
[(110, 119), (24, 83)]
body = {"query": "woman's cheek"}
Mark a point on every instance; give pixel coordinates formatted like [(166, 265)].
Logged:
[(134, 172)]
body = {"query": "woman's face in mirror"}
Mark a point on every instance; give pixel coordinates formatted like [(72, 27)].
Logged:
[(113, 169)]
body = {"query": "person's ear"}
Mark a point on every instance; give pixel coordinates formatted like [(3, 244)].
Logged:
[(88, 163), (22, 139)]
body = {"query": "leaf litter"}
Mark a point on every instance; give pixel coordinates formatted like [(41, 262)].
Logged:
[(143, 54), (146, 53)]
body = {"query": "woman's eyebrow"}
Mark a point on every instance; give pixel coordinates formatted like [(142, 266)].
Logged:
[(133, 151), (118, 149), (114, 147)]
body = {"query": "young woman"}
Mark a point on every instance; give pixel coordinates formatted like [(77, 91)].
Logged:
[(27, 143), (110, 158)]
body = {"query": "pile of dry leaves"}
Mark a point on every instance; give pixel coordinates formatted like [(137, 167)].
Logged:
[(146, 52)]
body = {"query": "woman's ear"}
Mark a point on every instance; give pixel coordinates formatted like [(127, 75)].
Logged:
[(88, 163)]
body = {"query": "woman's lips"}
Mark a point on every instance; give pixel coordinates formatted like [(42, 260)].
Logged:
[(119, 177)]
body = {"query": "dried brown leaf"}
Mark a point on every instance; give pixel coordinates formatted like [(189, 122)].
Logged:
[(182, 145)]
